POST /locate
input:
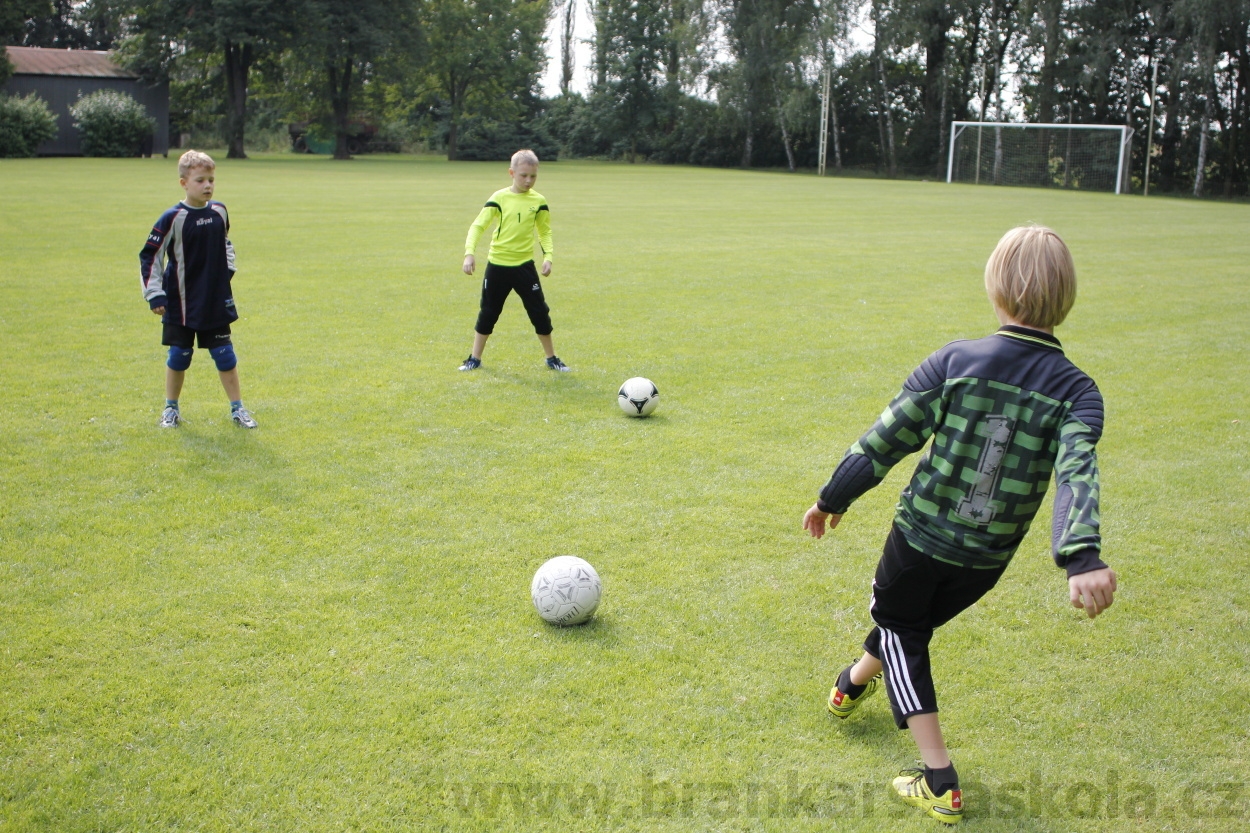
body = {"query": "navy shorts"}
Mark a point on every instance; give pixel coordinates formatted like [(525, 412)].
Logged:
[(176, 335)]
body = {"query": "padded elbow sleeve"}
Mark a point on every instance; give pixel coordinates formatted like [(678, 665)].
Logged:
[(224, 357), (179, 358)]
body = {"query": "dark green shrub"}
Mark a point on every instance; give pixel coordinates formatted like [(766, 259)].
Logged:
[(487, 140), (25, 124), (111, 123)]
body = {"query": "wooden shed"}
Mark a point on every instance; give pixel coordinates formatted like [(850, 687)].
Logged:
[(62, 76)]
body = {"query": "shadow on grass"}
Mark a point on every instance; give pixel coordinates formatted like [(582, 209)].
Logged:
[(600, 631)]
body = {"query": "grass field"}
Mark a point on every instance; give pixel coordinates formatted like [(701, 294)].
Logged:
[(324, 624)]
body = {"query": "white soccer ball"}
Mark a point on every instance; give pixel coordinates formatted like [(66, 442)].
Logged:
[(638, 397), (566, 590)]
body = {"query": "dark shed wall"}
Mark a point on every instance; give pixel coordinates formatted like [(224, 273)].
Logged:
[(60, 91)]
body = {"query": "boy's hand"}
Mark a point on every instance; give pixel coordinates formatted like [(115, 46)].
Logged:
[(158, 310), (546, 270), (469, 263), (1093, 591), (814, 521)]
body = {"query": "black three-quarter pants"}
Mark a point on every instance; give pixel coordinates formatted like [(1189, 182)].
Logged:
[(913, 594), (498, 282)]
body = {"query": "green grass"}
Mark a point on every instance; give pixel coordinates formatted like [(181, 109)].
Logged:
[(324, 624)]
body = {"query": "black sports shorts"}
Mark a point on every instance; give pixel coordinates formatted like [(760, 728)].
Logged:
[(912, 595), (523, 280), (176, 335)]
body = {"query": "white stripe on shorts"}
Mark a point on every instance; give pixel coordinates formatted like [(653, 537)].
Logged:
[(896, 668)]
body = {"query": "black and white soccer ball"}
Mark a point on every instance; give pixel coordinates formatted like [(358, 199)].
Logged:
[(566, 590), (638, 397)]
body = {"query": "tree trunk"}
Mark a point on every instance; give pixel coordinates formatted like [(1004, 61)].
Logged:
[(1236, 154), (1171, 126), (1050, 11), (891, 156), (936, 24), (599, 11), (971, 53), (781, 122), (1200, 174), (941, 154), (885, 115), (837, 143), (747, 146), (341, 104), (238, 63), (998, 116), (566, 48), (457, 91)]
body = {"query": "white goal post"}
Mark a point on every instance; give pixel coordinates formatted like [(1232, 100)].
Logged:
[(1075, 156)]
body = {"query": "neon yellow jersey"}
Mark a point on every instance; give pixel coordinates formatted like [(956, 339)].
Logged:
[(516, 217)]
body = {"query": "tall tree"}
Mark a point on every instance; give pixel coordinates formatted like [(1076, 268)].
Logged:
[(14, 15), (830, 34), (636, 47), (881, 37), (75, 24), (566, 45), (486, 52), (342, 41), (933, 20), (765, 38), (237, 32)]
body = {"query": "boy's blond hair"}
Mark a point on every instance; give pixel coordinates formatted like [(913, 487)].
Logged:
[(523, 155), (1031, 276), (194, 159)]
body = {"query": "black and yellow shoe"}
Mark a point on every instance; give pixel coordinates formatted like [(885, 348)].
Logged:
[(842, 704), (947, 808)]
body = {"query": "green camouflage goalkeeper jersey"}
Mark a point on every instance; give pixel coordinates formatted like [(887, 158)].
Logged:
[(1003, 412)]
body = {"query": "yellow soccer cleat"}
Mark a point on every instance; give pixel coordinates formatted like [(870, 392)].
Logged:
[(947, 808), (842, 704)]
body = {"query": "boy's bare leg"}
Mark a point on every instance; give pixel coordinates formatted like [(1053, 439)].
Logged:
[(864, 670), (927, 734), (230, 381), (479, 344), (173, 383), (546, 343)]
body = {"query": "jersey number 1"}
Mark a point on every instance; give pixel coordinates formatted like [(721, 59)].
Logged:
[(978, 506)]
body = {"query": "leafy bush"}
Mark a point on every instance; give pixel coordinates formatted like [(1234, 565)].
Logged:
[(487, 140), (25, 124), (111, 123)]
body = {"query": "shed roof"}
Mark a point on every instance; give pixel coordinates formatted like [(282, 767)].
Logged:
[(81, 63)]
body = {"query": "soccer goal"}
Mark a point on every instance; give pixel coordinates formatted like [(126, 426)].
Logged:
[(1089, 157)]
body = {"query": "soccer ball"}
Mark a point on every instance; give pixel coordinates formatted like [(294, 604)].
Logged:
[(566, 590), (638, 397)]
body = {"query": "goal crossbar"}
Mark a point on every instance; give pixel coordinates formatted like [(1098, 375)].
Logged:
[(1121, 154)]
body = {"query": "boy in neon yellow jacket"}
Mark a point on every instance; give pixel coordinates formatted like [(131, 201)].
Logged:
[(518, 213)]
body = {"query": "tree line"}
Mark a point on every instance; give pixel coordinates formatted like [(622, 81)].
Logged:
[(708, 82)]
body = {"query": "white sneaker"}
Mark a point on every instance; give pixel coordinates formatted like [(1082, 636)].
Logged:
[(243, 419), (170, 418)]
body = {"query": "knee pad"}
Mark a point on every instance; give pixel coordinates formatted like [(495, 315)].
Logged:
[(179, 358), (224, 357)]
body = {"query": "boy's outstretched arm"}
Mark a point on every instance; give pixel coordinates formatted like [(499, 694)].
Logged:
[(1093, 591), (814, 521)]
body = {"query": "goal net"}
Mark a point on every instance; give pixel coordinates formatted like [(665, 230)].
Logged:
[(1089, 157)]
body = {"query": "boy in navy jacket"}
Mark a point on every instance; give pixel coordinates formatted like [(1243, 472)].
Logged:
[(186, 267)]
